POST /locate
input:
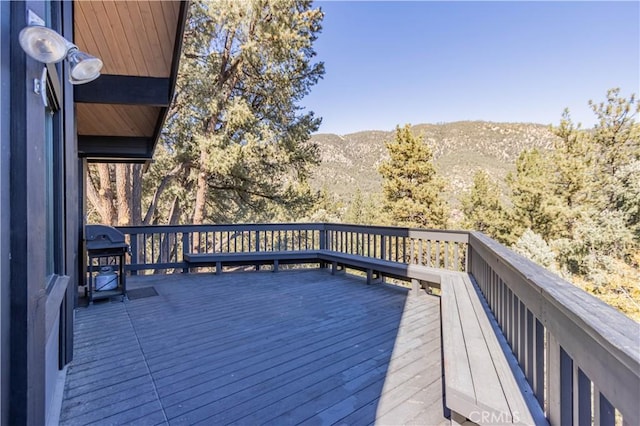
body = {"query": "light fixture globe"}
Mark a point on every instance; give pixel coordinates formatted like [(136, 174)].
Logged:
[(43, 44), (47, 46), (83, 67)]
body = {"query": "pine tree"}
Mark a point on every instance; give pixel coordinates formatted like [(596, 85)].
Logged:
[(573, 161), (411, 187), (326, 208), (535, 205), (484, 211), (582, 200), (617, 135), (236, 141), (355, 212)]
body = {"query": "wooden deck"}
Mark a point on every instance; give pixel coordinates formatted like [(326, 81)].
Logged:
[(258, 348)]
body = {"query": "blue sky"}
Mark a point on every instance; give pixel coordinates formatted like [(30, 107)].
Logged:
[(390, 63)]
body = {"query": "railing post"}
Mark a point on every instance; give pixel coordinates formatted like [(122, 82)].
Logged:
[(323, 238), (185, 249), (257, 266), (467, 258), (133, 240)]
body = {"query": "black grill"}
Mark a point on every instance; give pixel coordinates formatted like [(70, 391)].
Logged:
[(105, 239), (106, 246)]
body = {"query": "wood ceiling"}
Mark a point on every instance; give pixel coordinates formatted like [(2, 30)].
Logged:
[(139, 43)]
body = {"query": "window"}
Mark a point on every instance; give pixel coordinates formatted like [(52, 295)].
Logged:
[(53, 156), (53, 161)]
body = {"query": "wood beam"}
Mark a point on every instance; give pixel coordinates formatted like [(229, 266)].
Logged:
[(115, 148), (125, 90)]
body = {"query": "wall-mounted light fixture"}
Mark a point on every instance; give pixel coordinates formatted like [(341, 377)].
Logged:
[(45, 45)]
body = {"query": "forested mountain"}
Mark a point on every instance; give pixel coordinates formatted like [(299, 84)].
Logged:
[(460, 149), (563, 196)]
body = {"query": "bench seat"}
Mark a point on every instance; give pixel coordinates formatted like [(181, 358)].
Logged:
[(377, 267), (250, 258), (483, 382)]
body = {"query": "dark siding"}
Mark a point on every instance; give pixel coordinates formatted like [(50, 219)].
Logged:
[(27, 228), (5, 209), (72, 217)]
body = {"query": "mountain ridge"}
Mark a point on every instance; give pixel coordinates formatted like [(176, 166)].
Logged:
[(460, 148)]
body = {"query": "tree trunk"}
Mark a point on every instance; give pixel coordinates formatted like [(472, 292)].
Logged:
[(180, 168), (229, 77), (167, 241), (201, 191), (123, 193), (136, 194), (107, 209)]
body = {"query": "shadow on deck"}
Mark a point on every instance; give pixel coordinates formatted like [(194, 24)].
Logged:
[(258, 348)]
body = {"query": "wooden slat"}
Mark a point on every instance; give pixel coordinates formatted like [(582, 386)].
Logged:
[(131, 38), (582, 399), (566, 388), (116, 120), (606, 413), (481, 353), (511, 398), (553, 380), (460, 390)]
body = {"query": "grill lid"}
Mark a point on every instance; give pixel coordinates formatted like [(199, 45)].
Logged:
[(100, 237)]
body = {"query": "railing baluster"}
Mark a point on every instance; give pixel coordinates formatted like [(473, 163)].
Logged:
[(456, 257), (539, 362), (604, 413), (529, 349), (566, 388), (446, 255), (185, 249), (404, 250), (553, 399), (153, 248), (396, 251), (522, 334), (514, 322), (581, 398), (350, 239), (508, 316)]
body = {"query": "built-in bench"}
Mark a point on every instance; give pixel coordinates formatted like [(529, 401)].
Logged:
[(274, 258), (375, 268), (483, 382)]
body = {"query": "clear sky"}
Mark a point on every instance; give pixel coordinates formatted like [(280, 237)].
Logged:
[(390, 63)]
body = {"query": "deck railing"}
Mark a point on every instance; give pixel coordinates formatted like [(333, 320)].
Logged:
[(162, 247), (436, 249), (580, 356)]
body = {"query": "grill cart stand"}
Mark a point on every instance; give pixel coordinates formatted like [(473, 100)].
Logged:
[(105, 248)]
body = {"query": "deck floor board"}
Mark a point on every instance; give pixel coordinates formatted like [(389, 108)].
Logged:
[(294, 347)]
